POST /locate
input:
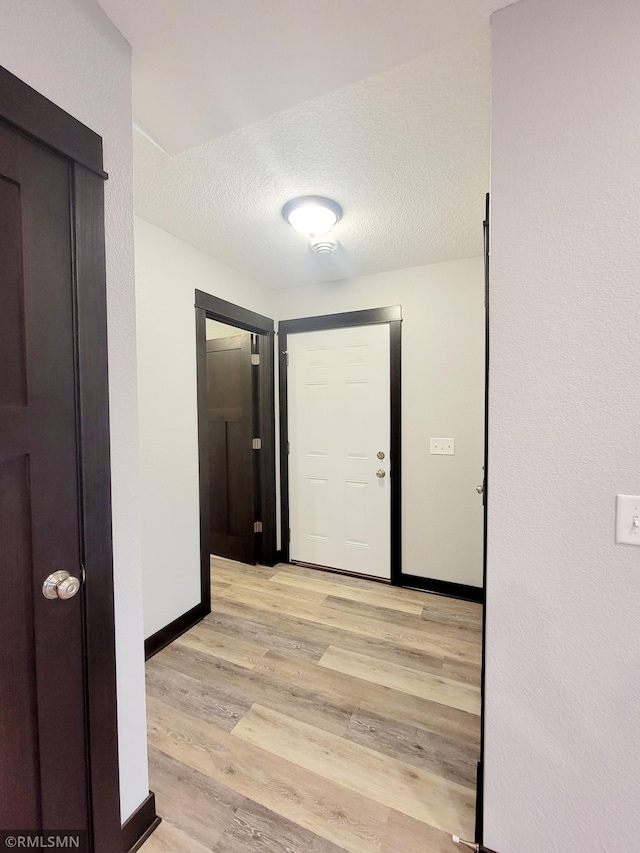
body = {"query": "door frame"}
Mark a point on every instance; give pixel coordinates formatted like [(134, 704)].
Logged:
[(214, 308), (392, 315), (486, 229), (28, 112)]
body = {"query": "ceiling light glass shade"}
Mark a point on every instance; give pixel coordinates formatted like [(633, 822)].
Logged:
[(312, 215)]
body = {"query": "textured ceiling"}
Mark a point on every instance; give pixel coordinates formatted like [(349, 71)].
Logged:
[(202, 68), (387, 112), (406, 154)]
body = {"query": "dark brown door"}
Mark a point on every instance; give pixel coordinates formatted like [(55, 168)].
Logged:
[(43, 776), (231, 454)]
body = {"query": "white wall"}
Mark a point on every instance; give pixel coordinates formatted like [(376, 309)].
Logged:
[(70, 52), (168, 272), (442, 397), (563, 656)]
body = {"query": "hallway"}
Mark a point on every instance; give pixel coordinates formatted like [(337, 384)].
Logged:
[(316, 712)]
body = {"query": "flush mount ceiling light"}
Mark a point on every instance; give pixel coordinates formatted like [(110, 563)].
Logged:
[(312, 215)]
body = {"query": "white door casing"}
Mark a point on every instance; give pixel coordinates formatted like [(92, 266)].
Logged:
[(339, 419)]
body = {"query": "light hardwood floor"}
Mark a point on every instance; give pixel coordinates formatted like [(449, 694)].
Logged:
[(316, 713)]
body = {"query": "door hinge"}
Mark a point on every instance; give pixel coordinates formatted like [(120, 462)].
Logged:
[(255, 358), (286, 357), (257, 527), (289, 536), (288, 447), (256, 443)]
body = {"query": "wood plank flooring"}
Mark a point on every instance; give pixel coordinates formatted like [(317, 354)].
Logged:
[(316, 713)]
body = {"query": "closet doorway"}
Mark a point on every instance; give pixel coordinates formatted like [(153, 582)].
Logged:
[(235, 434)]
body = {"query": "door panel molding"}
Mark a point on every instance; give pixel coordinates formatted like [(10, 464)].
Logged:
[(213, 308), (24, 110), (373, 316)]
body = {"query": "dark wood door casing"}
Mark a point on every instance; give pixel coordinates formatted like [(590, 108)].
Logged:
[(485, 501), (212, 307)]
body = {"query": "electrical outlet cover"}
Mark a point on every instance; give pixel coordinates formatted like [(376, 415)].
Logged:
[(442, 446)]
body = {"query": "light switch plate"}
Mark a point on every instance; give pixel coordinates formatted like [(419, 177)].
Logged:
[(443, 446), (628, 509)]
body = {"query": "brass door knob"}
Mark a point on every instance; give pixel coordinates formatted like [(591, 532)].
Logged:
[(60, 585)]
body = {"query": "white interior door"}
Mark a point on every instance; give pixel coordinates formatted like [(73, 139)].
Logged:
[(338, 385)]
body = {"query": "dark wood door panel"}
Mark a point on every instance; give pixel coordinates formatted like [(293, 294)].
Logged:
[(231, 462), (40, 511)]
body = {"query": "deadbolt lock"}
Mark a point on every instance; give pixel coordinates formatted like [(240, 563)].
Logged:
[(380, 454), (60, 585)]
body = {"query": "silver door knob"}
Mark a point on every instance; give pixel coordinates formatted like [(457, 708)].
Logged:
[(480, 489), (60, 585), (380, 473), (380, 454)]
